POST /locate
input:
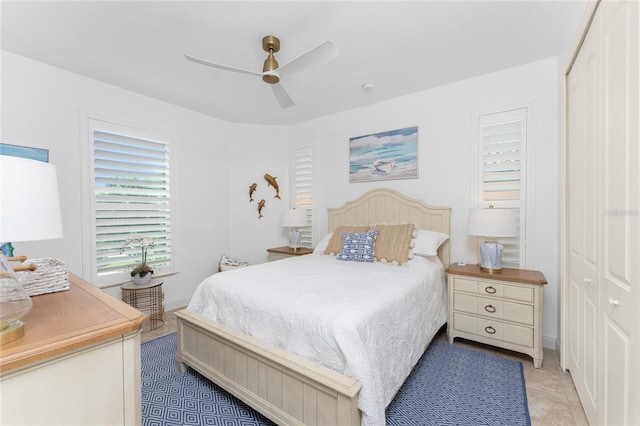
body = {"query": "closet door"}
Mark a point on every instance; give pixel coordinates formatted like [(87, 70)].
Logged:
[(620, 185), (601, 318), (583, 206)]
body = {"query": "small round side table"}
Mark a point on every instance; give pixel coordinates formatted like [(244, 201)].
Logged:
[(146, 298)]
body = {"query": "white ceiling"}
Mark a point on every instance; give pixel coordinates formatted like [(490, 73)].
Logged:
[(401, 47)]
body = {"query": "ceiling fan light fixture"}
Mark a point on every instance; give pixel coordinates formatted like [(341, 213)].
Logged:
[(271, 78), (270, 65)]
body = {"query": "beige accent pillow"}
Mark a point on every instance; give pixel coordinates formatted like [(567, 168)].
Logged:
[(394, 243), (335, 244)]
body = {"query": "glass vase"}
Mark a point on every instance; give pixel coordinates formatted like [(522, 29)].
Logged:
[(15, 303)]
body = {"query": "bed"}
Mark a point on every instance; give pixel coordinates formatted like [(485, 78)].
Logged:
[(338, 374)]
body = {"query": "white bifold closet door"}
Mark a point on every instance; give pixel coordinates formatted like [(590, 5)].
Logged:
[(601, 288)]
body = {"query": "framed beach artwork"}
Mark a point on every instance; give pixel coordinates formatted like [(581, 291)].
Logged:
[(24, 152), (384, 156)]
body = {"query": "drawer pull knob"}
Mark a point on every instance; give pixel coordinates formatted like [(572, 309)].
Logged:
[(490, 290), (587, 280), (489, 308), (490, 329), (614, 302)]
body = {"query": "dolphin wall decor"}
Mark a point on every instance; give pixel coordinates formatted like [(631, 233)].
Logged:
[(271, 181)]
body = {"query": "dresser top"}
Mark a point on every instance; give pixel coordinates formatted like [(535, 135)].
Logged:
[(508, 274), (68, 320)]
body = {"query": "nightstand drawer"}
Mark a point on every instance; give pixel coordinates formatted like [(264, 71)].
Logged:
[(279, 253), (510, 333), (493, 308), (477, 287), (512, 292), (277, 256)]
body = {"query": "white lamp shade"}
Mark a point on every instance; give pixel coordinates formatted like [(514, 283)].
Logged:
[(294, 218), (29, 201), (492, 223)]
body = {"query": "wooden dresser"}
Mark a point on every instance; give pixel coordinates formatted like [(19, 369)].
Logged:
[(77, 364)]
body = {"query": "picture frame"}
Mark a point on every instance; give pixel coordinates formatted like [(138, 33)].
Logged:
[(384, 156), (38, 154)]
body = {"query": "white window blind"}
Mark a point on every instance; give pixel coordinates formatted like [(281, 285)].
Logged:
[(131, 195), (303, 184), (502, 141)]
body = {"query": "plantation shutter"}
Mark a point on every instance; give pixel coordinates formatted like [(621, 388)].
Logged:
[(502, 138), (303, 184), (131, 195)]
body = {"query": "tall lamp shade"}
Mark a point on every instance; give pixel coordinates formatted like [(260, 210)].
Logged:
[(29, 211), (492, 224), (29, 202), (294, 219)]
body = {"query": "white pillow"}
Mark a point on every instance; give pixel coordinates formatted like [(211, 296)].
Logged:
[(427, 242), (323, 244)]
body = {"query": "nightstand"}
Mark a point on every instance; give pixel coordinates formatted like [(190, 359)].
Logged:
[(278, 253), (502, 309), (147, 298)]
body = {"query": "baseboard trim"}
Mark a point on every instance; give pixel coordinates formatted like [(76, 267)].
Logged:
[(176, 304), (550, 343)]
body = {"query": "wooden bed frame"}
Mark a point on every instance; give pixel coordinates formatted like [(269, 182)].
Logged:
[(289, 389)]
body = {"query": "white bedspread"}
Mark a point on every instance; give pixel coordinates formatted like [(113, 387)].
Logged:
[(369, 321)]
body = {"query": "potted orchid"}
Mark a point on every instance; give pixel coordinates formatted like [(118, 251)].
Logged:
[(142, 273)]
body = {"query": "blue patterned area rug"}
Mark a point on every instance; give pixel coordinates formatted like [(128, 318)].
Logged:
[(450, 385)]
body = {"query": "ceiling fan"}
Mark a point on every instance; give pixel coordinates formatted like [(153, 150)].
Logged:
[(271, 71)]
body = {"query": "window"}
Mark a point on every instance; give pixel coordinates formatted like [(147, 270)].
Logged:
[(502, 141), (130, 193), (303, 187)]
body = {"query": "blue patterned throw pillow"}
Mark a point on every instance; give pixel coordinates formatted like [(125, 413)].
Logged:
[(358, 247)]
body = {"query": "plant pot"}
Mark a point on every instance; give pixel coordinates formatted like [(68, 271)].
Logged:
[(142, 279)]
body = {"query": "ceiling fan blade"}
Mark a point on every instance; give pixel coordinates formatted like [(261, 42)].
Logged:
[(222, 67), (322, 53), (282, 96)]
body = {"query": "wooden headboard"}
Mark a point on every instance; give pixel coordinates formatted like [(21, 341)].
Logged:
[(388, 206)]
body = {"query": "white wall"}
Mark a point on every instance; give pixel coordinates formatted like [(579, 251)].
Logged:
[(257, 150), (42, 107), (445, 119)]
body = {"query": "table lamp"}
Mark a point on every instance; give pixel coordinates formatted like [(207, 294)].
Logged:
[(294, 218), (29, 211), (492, 223)]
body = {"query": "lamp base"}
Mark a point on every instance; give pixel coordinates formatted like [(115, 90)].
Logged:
[(491, 254), (490, 270), (10, 331), (294, 239)]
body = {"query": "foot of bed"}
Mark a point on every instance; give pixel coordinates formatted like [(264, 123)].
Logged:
[(288, 389)]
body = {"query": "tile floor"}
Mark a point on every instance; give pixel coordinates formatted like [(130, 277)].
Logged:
[(552, 397)]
